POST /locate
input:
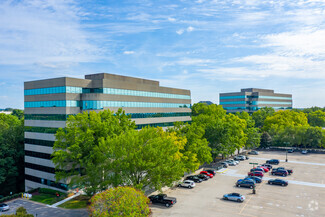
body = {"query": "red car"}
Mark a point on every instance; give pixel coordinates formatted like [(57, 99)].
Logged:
[(264, 168), (256, 173), (206, 173)]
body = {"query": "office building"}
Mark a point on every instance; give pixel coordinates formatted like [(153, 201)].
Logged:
[(253, 99), (49, 102), (206, 102)]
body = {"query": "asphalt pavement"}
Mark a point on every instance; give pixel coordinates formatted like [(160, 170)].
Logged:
[(42, 210)]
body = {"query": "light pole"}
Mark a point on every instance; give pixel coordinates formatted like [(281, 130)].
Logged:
[(286, 143)]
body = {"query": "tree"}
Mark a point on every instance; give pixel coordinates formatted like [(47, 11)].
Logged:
[(196, 150), (260, 115), (282, 119), (266, 140), (11, 154), (253, 137), (224, 132), (18, 113), (120, 201), (146, 158), (78, 153), (317, 118), (253, 134)]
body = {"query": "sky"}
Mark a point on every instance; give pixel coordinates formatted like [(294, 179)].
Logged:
[(206, 46)]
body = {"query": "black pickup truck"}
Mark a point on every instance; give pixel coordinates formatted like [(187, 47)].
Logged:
[(282, 168), (163, 199)]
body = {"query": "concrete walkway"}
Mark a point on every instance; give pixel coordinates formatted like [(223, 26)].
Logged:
[(65, 200)]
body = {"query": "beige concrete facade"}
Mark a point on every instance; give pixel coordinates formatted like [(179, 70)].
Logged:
[(45, 117)]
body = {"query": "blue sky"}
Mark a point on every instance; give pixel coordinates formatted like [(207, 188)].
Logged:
[(207, 46)]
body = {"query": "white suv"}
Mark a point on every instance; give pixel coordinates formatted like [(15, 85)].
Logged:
[(187, 184)]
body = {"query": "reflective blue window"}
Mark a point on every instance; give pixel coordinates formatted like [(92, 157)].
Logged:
[(115, 91), (56, 103), (270, 102), (274, 97), (233, 97), (234, 108), (232, 102), (101, 104), (52, 90)]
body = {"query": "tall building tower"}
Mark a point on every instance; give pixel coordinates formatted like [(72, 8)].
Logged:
[(253, 99), (49, 102)]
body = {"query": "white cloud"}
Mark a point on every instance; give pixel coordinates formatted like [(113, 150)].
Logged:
[(189, 29), (180, 31), (128, 52), (48, 32), (171, 19)]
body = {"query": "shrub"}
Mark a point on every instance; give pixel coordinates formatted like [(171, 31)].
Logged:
[(21, 210)]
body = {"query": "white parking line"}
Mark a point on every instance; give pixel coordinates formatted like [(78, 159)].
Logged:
[(290, 161), (234, 174)]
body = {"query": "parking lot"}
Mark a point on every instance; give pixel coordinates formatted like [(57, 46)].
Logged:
[(304, 196)]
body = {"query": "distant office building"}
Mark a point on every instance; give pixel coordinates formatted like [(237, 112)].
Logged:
[(49, 102), (253, 99), (206, 102)]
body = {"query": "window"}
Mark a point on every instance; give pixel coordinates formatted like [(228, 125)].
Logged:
[(53, 90)]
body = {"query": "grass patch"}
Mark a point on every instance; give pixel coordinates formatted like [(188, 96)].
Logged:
[(48, 198), (76, 203)]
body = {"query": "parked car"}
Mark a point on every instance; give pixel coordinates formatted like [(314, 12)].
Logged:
[(163, 199), (194, 178), (234, 196), (256, 173), (278, 182), (304, 152), (239, 157), (291, 150), (4, 207), (257, 169), (290, 171), (187, 184), (269, 166), (224, 164), (231, 163), (255, 178), (265, 169), (278, 172), (206, 173), (253, 152), (203, 177), (245, 183), (273, 161), (213, 172)]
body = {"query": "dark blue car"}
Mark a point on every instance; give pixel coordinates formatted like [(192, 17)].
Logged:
[(273, 161), (278, 182), (254, 178)]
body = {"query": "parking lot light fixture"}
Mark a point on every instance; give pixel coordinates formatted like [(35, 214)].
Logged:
[(286, 143)]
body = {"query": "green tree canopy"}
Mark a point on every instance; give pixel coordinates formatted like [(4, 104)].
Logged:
[(146, 158), (317, 118), (18, 113), (282, 119), (260, 115), (11, 154), (120, 201), (196, 150), (224, 132), (77, 147)]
